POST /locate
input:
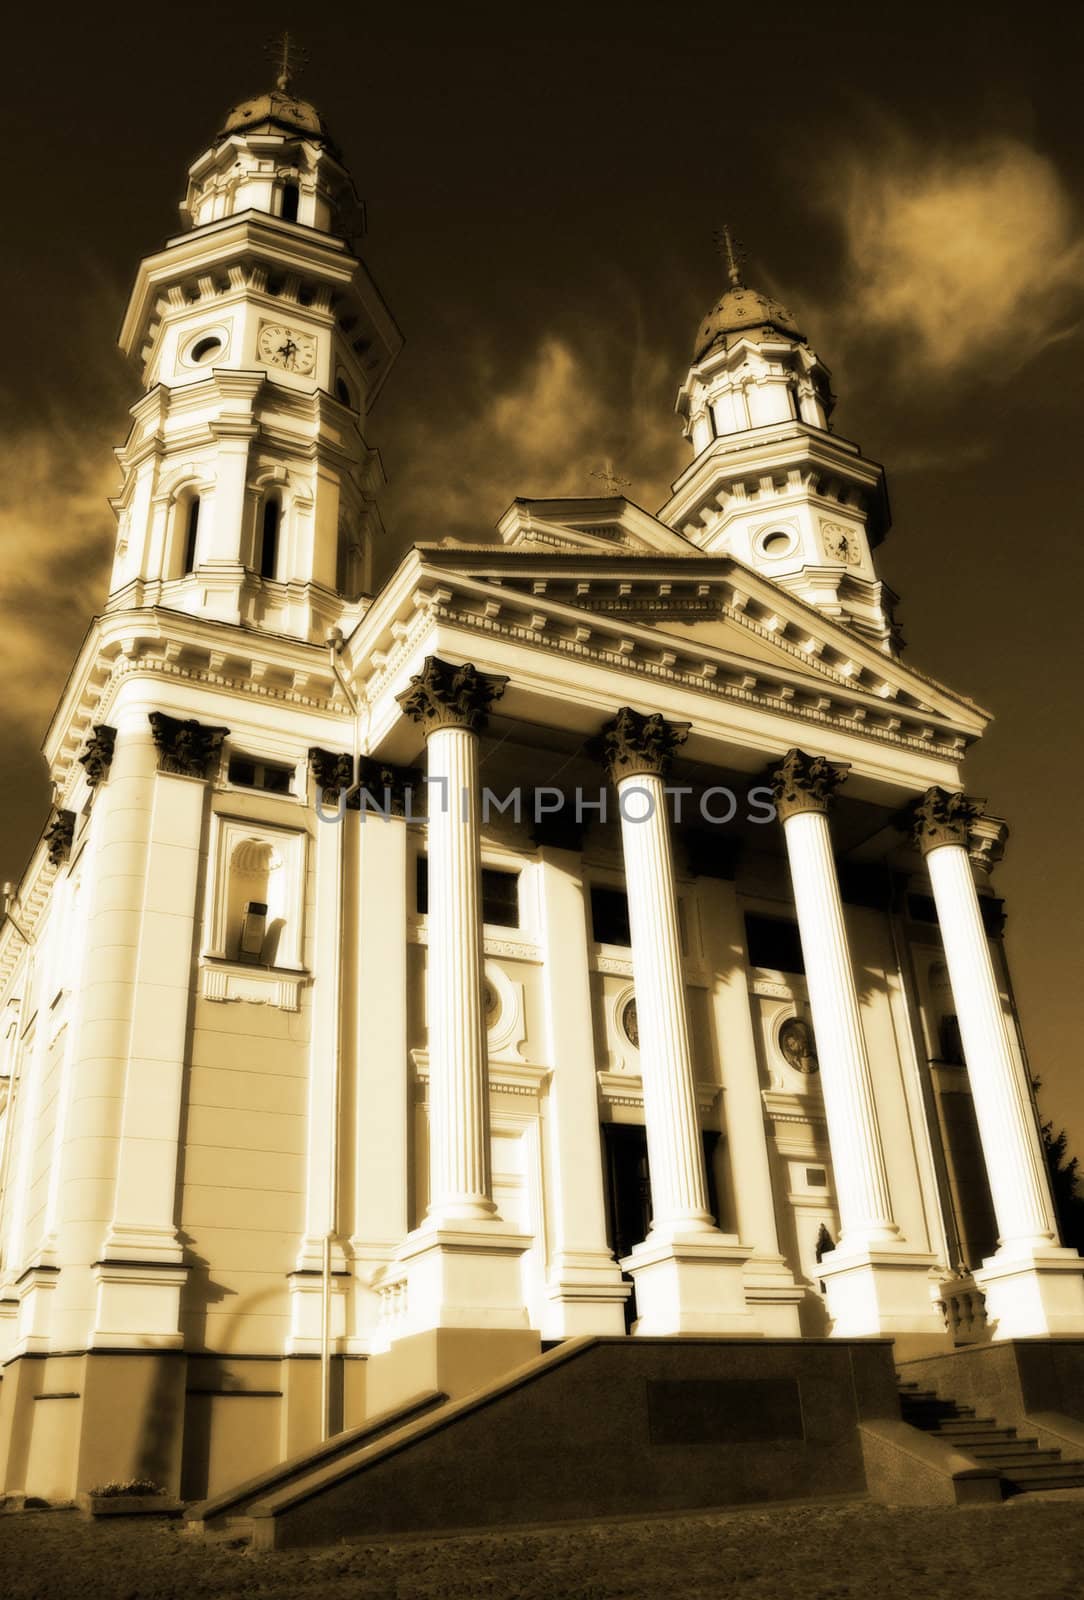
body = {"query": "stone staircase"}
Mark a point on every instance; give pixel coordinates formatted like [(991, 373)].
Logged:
[(1023, 1465)]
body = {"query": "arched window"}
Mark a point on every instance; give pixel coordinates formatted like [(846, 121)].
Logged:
[(291, 194), (191, 533), (269, 536)]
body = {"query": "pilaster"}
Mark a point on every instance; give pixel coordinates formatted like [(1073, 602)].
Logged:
[(141, 1271), (770, 1290), (306, 1282), (381, 1141), (584, 1286)]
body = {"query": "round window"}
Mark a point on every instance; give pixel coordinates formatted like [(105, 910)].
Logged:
[(776, 543), (205, 349)]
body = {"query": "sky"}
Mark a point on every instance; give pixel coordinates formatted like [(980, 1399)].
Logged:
[(543, 185)]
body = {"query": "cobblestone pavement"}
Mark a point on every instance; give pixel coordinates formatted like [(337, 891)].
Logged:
[(1033, 1549)]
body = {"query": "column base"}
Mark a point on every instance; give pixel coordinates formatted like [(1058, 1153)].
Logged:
[(586, 1294), (773, 1297), (306, 1335), (1034, 1293), (884, 1293), (468, 1276), (35, 1289), (690, 1284), (138, 1305)]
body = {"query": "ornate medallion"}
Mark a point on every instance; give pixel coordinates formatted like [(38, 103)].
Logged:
[(630, 1025), (797, 1046)]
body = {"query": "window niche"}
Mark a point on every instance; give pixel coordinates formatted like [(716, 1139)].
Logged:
[(183, 541), (252, 943), (291, 200), (270, 520)]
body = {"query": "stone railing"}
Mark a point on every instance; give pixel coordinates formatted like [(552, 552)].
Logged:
[(963, 1307), (392, 1290)]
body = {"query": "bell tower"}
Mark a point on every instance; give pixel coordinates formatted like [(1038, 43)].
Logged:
[(249, 491), (770, 483)]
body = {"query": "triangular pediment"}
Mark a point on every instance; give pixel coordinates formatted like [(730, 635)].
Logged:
[(740, 623), (597, 522)]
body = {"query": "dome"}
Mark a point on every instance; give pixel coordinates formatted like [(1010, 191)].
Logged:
[(275, 112), (738, 311)]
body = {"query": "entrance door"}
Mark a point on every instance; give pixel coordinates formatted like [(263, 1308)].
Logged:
[(628, 1190)]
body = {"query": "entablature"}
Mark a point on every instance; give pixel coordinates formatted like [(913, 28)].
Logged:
[(750, 705)]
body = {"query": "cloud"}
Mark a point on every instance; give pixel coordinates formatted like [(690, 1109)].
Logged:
[(963, 261), (576, 400), (56, 538)]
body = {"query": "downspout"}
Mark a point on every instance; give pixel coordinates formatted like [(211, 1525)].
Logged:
[(334, 645), (7, 894)]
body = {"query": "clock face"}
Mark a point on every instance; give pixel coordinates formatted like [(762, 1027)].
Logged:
[(288, 348), (839, 544)]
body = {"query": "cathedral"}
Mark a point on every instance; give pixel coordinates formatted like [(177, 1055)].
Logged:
[(579, 938)]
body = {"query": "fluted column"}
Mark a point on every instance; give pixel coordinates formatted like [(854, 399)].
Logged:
[(874, 1282), (637, 751), (450, 702), (688, 1275), (804, 787), (1032, 1286)]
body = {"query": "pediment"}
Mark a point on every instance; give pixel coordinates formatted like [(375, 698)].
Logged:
[(597, 522), (743, 624)]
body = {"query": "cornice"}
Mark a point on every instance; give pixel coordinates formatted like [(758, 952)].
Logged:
[(756, 602), (157, 643), (637, 649)]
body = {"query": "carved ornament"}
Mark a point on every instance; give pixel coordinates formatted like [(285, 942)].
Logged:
[(633, 744), (943, 816), (805, 783), (186, 748), (58, 837), (446, 694), (97, 758)]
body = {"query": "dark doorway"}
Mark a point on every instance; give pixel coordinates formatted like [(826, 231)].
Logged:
[(628, 1189)]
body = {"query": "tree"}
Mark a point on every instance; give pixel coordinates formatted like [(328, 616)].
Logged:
[(1065, 1181)]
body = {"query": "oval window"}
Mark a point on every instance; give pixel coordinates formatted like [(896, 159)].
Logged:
[(204, 349), (776, 544)]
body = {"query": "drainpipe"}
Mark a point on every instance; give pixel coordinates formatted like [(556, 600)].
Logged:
[(334, 645), (7, 900)]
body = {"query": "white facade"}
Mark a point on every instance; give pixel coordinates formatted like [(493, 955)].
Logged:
[(287, 1084)]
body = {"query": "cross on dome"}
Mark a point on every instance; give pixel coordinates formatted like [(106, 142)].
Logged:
[(608, 476), (289, 58), (732, 253)]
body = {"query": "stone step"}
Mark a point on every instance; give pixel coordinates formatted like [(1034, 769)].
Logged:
[(1014, 1455), (1059, 1475), (975, 1434), (957, 1425)]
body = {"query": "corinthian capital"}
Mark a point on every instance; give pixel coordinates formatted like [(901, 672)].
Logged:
[(986, 840), (447, 695), (635, 745), (186, 748), (943, 816), (58, 837), (97, 758), (333, 771), (805, 783)]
